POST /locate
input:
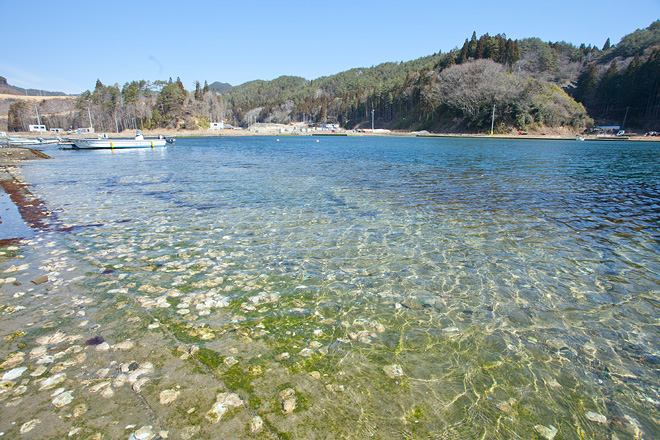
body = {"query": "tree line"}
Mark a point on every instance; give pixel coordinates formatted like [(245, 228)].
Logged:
[(623, 85), (530, 83)]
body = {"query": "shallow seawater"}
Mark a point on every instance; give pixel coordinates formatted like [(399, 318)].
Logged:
[(13, 224), (341, 288)]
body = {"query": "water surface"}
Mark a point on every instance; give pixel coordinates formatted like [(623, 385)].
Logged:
[(422, 288)]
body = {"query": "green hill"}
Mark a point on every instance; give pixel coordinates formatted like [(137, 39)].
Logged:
[(220, 87), (531, 84)]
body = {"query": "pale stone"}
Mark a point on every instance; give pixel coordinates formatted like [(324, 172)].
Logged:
[(29, 426), (256, 425), (595, 417), (549, 432), (126, 345), (14, 374), (289, 405), (168, 396), (393, 371), (52, 382), (144, 433), (13, 359), (282, 356), (63, 399)]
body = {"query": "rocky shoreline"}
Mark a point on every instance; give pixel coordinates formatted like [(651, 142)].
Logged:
[(32, 210)]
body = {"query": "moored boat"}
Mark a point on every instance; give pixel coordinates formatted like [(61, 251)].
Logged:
[(22, 142), (106, 143)]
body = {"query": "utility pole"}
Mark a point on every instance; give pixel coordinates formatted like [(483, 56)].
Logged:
[(624, 118), (492, 122), (38, 119), (91, 126)]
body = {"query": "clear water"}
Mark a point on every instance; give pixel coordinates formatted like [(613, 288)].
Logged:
[(433, 288)]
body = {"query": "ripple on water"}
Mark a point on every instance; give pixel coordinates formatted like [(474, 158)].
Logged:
[(391, 287)]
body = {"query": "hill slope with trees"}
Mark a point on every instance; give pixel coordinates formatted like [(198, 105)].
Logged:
[(530, 85)]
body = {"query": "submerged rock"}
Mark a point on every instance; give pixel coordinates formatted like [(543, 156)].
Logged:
[(80, 410), (13, 374), (144, 433), (549, 432), (96, 340), (63, 399), (393, 371), (595, 417), (53, 339), (51, 382), (168, 396), (289, 400), (282, 356), (13, 359), (29, 426), (225, 402), (256, 425), (40, 280)]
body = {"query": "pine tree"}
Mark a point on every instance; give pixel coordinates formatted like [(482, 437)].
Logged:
[(472, 46), (511, 52), (198, 90), (481, 48), (608, 88), (607, 45), (631, 93), (450, 60), (463, 55), (586, 83)]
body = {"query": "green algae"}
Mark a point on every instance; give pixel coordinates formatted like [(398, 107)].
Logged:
[(236, 379), (210, 358)]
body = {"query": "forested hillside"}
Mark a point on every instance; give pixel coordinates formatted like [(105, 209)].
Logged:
[(529, 84), (623, 83)]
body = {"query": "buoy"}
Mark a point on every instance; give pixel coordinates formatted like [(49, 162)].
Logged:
[(112, 146), (152, 144)]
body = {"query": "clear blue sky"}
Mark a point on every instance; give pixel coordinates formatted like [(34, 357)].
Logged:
[(67, 45)]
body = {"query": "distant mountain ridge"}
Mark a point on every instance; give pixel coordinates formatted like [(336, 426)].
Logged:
[(8, 89), (220, 87)]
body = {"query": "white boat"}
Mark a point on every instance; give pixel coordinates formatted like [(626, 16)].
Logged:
[(22, 142), (138, 142)]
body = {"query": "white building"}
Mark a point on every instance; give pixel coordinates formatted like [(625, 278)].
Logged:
[(217, 126), (37, 128)]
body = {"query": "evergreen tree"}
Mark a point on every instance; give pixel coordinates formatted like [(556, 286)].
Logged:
[(450, 60), (463, 55), (198, 90), (608, 88), (180, 84), (607, 45), (587, 83), (480, 51), (472, 46)]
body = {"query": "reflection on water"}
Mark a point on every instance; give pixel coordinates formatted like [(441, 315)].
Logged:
[(395, 288)]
